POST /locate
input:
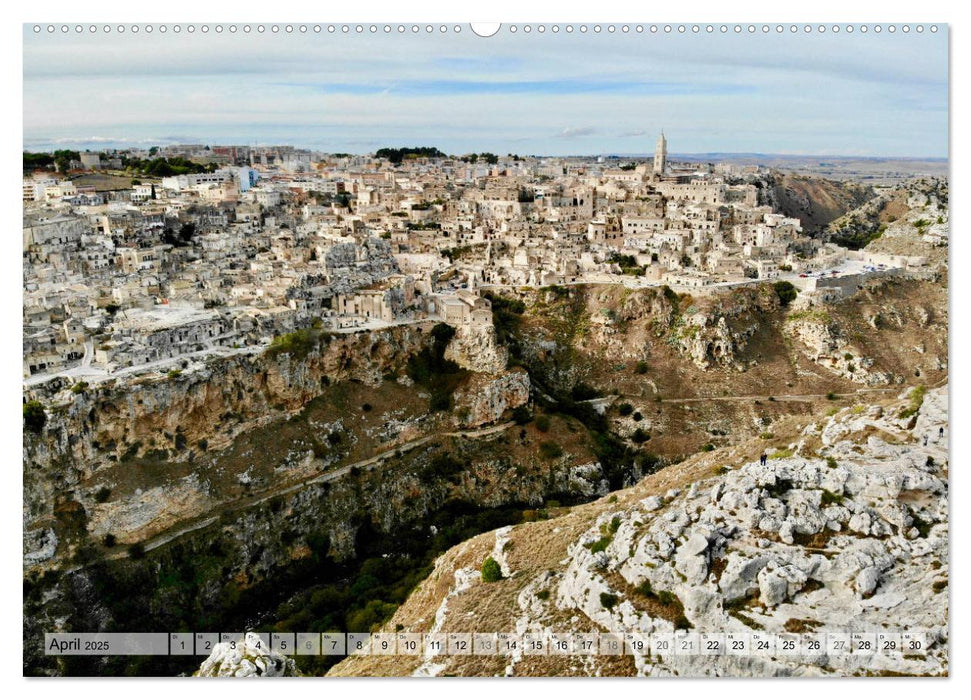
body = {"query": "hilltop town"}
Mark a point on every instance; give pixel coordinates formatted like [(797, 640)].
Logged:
[(141, 261)]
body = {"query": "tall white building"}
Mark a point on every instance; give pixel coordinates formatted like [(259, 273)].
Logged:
[(661, 154)]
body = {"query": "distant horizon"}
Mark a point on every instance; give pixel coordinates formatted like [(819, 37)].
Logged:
[(86, 147)]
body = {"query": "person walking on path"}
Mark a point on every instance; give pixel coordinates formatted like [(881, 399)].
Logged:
[(763, 459)]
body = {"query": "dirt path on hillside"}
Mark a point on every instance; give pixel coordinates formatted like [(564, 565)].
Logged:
[(238, 505)]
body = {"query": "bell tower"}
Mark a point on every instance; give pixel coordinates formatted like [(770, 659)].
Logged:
[(661, 155)]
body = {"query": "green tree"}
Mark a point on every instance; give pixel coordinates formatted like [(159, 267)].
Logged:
[(786, 292), (35, 417), (491, 571)]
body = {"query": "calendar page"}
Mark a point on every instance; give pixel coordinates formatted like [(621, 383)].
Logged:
[(437, 349)]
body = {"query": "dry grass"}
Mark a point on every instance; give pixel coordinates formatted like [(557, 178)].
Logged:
[(799, 626)]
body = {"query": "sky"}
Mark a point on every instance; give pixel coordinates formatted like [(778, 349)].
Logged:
[(542, 94)]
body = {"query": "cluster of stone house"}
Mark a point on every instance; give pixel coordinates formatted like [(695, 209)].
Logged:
[(276, 239)]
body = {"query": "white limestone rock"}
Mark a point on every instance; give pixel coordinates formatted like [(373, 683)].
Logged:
[(247, 658)]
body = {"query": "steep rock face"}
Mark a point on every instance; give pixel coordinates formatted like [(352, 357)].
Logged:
[(475, 348), (845, 531), (924, 226), (828, 348), (708, 341), (249, 657), (214, 400), (483, 399), (581, 331), (205, 407)]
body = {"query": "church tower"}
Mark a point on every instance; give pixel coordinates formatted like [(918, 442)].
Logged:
[(661, 155)]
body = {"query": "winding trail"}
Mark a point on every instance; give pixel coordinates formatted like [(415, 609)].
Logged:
[(779, 397), (171, 535)]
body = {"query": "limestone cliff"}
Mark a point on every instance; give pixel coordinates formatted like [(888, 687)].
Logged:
[(483, 399), (475, 348), (133, 458)]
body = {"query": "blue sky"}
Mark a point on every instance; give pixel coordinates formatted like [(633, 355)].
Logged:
[(859, 95)]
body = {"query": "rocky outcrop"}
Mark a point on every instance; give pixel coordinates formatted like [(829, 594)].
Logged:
[(908, 219), (483, 399), (829, 348), (474, 347), (708, 341), (212, 400), (249, 657)]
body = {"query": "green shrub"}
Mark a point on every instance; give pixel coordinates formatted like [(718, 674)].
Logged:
[(640, 436), (649, 463), (35, 417), (601, 544), (109, 540), (831, 499), (613, 525), (831, 462), (608, 600), (297, 345), (641, 368), (136, 550), (583, 392), (102, 494), (491, 571), (638, 416), (80, 387), (542, 423), (521, 415), (625, 409)]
